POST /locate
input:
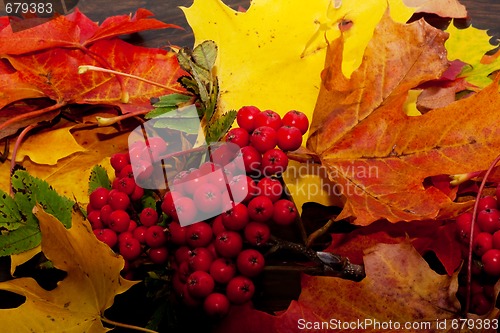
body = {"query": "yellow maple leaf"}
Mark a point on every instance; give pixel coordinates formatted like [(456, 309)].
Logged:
[(271, 55), (78, 302), (70, 175), (470, 46), (57, 144)]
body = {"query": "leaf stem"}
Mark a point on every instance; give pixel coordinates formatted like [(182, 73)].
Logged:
[(18, 143), (32, 114), (474, 217), (84, 68), (132, 327), (320, 232)]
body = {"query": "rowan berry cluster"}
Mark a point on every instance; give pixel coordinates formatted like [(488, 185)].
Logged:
[(486, 251), (214, 219)]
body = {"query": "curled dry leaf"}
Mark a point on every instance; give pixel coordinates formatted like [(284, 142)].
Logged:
[(78, 302), (379, 155)]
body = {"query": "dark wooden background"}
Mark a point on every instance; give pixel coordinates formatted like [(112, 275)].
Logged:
[(483, 14)]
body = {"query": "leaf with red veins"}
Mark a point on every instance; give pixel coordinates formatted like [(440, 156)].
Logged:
[(55, 72)]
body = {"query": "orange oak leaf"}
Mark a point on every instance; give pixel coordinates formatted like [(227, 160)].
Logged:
[(379, 155), (399, 287)]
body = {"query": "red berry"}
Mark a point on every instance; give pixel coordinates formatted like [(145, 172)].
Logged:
[(482, 243), (216, 304), (224, 154), (156, 146), (240, 290), (252, 159), (217, 225), (125, 236), (137, 193), (177, 233), (264, 138), (289, 138), (182, 254), (487, 202), (268, 118), (220, 178), (200, 284), (208, 199), (192, 182), (119, 221), (238, 136), (148, 217), (236, 218), (158, 255), (243, 188), (132, 226), (257, 234), (167, 205), (222, 270), (199, 234), (140, 233), (94, 218), (130, 248), (99, 197), (118, 200), (260, 209), (228, 244), (464, 223), (127, 171), (106, 211), (246, 117), (185, 211), (184, 271), (155, 236), (119, 161), (496, 240), (284, 212), (200, 259), (143, 169), (296, 119), (250, 262), (126, 185), (488, 220), (107, 236), (491, 262), (274, 161), (270, 187)]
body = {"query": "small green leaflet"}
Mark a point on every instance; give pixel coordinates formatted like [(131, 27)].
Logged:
[(168, 103), (205, 54), (23, 233), (98, 178), (185, 119), (218, 128)]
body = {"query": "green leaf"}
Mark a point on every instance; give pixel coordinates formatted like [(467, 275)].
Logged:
[(218, 128), (28, 191), (98, 178), (189, 84), (184, 119), (10, 218), (148, 199), (22, 239), (166, 104), (205, 54), (212, 103)]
